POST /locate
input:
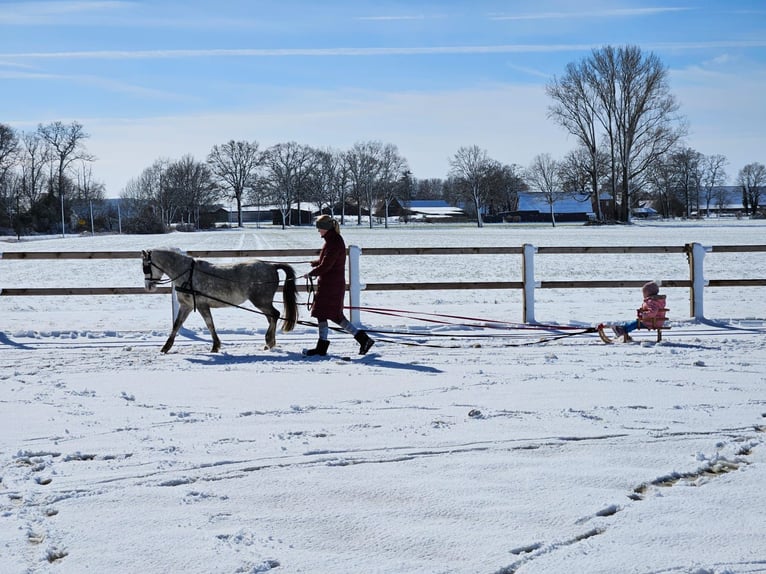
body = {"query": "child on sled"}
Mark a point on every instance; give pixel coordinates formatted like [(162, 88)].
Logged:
[(651, 314)]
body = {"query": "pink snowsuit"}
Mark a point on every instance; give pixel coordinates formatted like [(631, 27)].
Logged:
[(652, 312)]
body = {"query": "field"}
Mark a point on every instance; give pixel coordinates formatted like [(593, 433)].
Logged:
[(449, 449)]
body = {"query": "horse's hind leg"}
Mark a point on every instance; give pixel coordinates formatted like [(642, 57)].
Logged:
[(204, 310), (183, 313), (272, 314)]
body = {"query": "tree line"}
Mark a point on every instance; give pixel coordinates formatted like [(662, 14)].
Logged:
[(616, 103)]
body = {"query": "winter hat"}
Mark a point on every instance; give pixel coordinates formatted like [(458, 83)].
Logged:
[(326, 222), (650, 289)]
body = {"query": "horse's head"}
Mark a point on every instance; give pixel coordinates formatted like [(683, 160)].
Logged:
[(152, 273)]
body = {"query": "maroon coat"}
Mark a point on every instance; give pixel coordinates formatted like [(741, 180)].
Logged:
[(330, 268)]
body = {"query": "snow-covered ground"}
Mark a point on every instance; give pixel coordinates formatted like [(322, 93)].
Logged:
[(483, 451)]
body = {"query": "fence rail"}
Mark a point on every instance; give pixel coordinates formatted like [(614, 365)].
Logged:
[(695, 253)]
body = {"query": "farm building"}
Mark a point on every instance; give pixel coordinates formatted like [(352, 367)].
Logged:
[(533, 208)]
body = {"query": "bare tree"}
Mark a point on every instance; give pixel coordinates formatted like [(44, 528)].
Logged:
[(713, 178), (576, 109), (752, 179), (150, 190), (190, 185), (9, 185), (34, 158), (364, 161), (662, 182), (627, 93), (432, 188), (234, 166), (472, 167), (504, 182), (67, 145), (289, 167), (392, 168), (9, 149), (544, 175), (87, 188), (330, 179), (687, 170)]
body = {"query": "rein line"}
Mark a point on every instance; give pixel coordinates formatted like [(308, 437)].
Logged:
[(437, 318)]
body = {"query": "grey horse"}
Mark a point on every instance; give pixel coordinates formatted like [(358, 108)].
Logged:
[(201, 285)]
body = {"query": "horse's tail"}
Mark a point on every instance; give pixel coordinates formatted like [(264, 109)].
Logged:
[(289, 291)]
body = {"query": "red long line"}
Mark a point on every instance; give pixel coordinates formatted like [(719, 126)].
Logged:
[(418, 315)]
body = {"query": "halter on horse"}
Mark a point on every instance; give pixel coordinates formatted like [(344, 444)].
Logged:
[(201, 285)]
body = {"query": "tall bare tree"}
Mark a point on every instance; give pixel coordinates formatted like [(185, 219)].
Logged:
[(150, 191), (364, 163), (628, 94), (713, 177), (662, 182), (34, 159), (67, 145), (234, 166), (330, 180), (576, 108), (190, 184), (393, 168), (472, 168), (687, 171), (288, 170), (544, 175)]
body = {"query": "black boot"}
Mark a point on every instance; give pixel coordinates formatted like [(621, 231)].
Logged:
[(320, 349), (365, 343)]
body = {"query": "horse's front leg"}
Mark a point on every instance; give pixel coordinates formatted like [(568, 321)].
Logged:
[(204, 310), (183, 313)]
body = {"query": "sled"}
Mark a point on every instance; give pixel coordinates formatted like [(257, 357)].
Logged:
[(657, 323)]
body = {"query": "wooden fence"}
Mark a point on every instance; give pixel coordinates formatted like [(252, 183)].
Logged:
[(694, 252)]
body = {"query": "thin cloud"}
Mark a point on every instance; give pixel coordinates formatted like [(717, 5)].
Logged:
[(4, 63), (616, 13), (109, 85), (334, 52), (387, 18), (36, 13)]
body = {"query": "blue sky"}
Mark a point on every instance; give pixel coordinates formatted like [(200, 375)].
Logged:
[(165, 78)]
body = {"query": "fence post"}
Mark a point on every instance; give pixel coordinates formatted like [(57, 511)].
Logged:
[(528, 280), (695, 252), (354, 284)]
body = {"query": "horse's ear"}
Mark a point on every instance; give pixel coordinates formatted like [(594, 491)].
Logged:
[(144, 253)]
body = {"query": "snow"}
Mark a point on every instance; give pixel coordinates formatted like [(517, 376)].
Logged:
[(479, 454)]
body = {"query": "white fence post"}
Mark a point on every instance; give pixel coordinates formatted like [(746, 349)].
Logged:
[(696, 254), (354, 284), (528, 280)]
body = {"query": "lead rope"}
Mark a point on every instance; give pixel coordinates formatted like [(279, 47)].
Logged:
[(188, 287), (309, 292)]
